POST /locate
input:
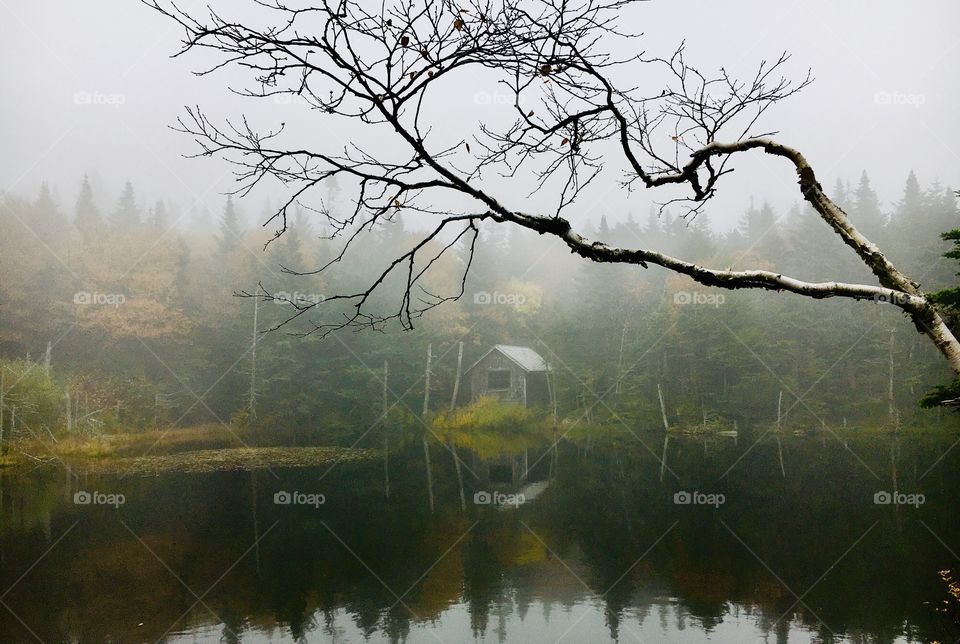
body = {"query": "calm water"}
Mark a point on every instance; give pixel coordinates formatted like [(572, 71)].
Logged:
[(599, 552)]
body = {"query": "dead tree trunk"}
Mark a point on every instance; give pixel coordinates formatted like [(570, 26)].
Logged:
[(779, 407), (426, 444), (891, 399), (703, 411), (623, 339), (66, 395), (386, 436), (253, 371), (783, 470), (456, 380), (666, 429), (663, 409), (663, 454), (452, 444)]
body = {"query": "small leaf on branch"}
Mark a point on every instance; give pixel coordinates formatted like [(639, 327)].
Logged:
[(565, 141), (545, 69), (468, 146), (530, 113), (404, 41), (458, 24)]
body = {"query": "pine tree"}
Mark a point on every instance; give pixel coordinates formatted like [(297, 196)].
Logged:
[(939, 213), (654, 233), (288, 253), (158, 217), (912, 201), (949, 300), (86, 214), (815, 252), (697, 244), (126, 216), (865, 211), (600, 300), (759, 229), (841, 194), (230, 232), (45, 218), (916, 236)]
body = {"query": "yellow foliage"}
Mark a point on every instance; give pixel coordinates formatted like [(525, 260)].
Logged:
[(130, 286), (489, 427), (529, 549), (527, 297)]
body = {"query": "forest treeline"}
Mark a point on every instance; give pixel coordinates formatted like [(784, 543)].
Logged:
[(115, 315)]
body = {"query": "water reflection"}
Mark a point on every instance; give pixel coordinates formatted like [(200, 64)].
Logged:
[(601, 550)]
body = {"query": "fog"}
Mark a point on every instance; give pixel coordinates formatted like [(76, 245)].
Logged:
[(439, 407), (882, 101)]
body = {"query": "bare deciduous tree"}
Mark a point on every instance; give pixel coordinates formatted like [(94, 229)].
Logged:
[(384, 65)]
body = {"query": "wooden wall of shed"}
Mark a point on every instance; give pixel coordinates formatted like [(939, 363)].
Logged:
[(496, 360)]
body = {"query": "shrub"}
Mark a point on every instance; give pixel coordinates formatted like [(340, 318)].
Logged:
[(29, 391)]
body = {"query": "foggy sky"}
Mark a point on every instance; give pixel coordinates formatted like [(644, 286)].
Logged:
[(118, 51)]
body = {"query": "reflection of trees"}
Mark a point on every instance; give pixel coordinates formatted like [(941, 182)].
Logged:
[(606, 509)]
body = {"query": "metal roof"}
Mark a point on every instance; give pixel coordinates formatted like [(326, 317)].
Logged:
[(525, 357)]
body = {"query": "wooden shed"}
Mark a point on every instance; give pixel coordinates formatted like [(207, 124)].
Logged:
[(510, 374)]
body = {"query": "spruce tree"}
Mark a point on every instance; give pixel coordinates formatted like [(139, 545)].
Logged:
[(158, 216), (865, 211), (841, 193), (86, 214), (45, 219), (126, 216), (759, 230), (949, 301), (230, 232)]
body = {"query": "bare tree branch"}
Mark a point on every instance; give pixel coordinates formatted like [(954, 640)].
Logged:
[(381, 65)]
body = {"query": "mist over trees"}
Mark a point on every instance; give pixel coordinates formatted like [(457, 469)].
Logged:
[(683, 129), (144, 324), (487, 320)]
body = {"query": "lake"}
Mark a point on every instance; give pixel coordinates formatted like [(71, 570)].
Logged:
[(843, 542)]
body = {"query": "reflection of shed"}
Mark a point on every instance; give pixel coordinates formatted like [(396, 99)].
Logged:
[(510, 374)]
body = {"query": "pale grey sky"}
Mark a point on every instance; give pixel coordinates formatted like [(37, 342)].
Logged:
[(117, 53)]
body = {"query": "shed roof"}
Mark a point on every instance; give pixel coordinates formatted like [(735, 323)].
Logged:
[(524, 357)]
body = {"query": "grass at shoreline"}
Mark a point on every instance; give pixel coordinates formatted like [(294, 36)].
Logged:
[(169, 440), (205, 448), (224, 460)]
